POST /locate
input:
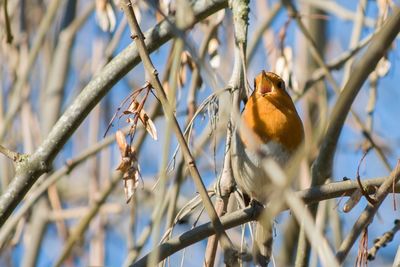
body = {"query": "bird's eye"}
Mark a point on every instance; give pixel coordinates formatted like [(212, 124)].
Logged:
[(281, 85)]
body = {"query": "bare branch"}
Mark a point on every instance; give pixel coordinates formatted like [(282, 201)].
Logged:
[(14, 156), (309, 196), (383, 240)]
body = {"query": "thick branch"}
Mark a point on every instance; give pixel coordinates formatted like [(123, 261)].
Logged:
[(376, 50), (309, 196)]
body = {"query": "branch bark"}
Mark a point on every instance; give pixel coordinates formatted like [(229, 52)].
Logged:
[(309, 196)]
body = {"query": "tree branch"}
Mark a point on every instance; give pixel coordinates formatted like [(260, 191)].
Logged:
[(366, 217), (309, 196)]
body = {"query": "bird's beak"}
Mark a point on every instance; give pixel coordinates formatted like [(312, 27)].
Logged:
[(263, 84)]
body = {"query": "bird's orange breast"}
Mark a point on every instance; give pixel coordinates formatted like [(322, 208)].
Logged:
[(273, 117)]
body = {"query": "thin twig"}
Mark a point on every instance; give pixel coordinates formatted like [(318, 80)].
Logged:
[(383, 240), (170, 99), (264, 25), (14, 156), (362, 189), (339, 11), (78, 212), (336, 64), (355, 36), (9, 35)]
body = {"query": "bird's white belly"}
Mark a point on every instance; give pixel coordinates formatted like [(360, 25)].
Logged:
[(248, 170)]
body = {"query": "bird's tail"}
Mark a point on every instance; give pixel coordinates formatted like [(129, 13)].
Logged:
[(262, 246)]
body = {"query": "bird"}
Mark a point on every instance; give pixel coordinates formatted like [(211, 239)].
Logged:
[(269, 126)]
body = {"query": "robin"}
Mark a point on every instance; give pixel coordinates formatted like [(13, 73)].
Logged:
[(271, 127)]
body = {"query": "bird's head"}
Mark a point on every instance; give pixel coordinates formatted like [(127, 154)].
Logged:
[(270, 86)]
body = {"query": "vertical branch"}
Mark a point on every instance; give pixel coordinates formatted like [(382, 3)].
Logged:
[(39, 220), (38, 225), (138, 37), (264, 25), (316, 106), (9, 35), (146, 232), (59, 71), (177, 49), (96, 250), (224, 188), (238, 82), (355, 36)]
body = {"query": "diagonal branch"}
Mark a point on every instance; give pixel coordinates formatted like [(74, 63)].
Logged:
[(383, 240), (366, 217), (237, 82)]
